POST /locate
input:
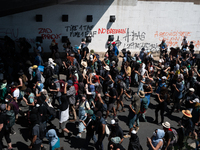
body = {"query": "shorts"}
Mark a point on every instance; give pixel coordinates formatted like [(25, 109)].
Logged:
[(110, 106), (63, 125)]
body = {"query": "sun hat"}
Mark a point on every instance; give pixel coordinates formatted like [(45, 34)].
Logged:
[(166, 125), (51, 60), (191, 89), (112, 121), (107, 68), (34, 67), (141, 94), (164, 77), (187, 113), (84, 64)]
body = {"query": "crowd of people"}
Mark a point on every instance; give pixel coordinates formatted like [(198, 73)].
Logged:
[(95, 89)]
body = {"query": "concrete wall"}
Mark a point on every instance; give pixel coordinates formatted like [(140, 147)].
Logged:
[(139, 24)]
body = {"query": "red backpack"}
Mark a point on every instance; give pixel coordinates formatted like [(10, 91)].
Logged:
[(62, 85)]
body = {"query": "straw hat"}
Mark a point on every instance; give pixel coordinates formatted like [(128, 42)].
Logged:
[(141, 94), (84, 64), (166, 125), (187, 113), (107, 68)]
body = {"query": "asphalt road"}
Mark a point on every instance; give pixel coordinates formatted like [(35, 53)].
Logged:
[(20, 140)]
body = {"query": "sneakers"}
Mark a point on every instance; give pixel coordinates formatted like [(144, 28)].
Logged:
[(78, 136), (127, 136)]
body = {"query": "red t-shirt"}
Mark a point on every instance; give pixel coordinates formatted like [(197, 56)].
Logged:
[(76, 88)]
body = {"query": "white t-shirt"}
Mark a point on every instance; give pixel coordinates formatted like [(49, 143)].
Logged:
[(16, 93)]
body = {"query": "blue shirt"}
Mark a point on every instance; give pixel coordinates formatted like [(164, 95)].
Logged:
[(115, 50), (180, 87), (160, 85)]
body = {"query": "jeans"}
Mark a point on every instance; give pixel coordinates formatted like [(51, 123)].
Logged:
[(127, 82), (140, 87), (136, 77), (138, 119), (132, 121)]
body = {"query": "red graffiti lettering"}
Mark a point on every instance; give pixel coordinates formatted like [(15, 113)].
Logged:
[(111, 31), (44, 30), (50, 36), (13, 33)]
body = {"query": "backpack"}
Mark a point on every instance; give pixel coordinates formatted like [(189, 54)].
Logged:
[(175, 137), (42, 129), (10, 115), (62, 85), (51, 110)]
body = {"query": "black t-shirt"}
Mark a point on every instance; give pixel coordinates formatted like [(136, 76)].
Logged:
[(116, 131), (168, 135), (42, 110), (65, 103), (120, 86), (113, 93), (89, 122), (188, 99), (81, 88), (98, 105), (114, 72)]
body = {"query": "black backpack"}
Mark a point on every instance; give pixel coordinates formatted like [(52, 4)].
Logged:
[(51, 110)]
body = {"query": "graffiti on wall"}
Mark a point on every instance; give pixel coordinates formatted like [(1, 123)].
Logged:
[(111, 31), (135, 40), (47, 33), (13, 33), (80, 30), (174, 38)]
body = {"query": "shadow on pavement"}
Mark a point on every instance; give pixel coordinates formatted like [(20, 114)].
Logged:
[(20, 146), (25, 133)]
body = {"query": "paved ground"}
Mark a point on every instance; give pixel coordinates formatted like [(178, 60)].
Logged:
[(20, 140)]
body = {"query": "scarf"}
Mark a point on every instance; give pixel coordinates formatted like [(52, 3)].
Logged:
[(52, 137)]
